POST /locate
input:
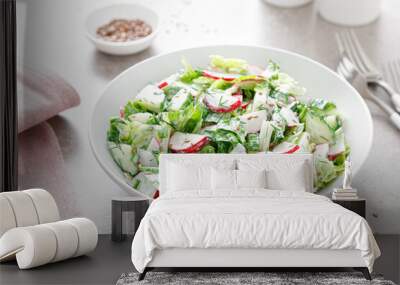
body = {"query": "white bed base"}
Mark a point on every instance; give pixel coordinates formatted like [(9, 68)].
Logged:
[(256, 258), (238, 257)]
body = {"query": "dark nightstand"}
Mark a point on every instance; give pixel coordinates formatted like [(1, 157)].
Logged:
[(357, 206), (137, 205)]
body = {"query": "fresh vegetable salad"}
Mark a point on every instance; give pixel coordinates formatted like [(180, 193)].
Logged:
[(228, 107)]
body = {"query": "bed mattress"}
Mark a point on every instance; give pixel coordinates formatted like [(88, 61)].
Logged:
[(250, 219)]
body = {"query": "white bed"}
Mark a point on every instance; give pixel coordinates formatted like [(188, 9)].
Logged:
[(249, 227)]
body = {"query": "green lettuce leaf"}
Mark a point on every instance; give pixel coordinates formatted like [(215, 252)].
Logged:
[(189, 74), (325, 172), (252, 143), (171, 90), (322, 105), (116, 126), (285, 84), (187, 120), (136, 134), (207, 149), (140, 106), (220, 84), (229, 65), (223, 140), (227, 134), (203, 82)]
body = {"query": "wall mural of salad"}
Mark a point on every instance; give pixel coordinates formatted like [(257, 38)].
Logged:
[(228, 107)]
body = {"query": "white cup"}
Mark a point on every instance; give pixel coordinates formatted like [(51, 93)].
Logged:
[(287, 3), (349, 12)]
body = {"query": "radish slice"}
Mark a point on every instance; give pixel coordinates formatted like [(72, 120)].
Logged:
[(222, 103), (163, 84), (321, 150), (244, 105), (239, 96), (168, 81), (253, 121), (156, 194), (286, 148), (236, 91), (154, 145), (218, 75), (254, 69), (152, 97), (304, 143), (187, 143)]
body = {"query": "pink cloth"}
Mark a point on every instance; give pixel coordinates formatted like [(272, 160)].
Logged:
[(42, 96), (40, 159), (41, 165)]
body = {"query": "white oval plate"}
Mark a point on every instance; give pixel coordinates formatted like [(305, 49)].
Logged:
[(320, 82)]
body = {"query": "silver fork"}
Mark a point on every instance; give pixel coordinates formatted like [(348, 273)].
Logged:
[(348, 70), (349, 43)]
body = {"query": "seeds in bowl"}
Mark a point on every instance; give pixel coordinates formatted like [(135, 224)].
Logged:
[(123, 30)]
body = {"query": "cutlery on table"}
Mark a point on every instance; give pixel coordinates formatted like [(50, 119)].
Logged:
[(348, 43), (391, 71), (348, 70)]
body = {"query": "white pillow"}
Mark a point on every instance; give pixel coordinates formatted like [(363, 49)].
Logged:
[(223, 179), (192, 172), (293, 179), (251, 178), (182, 177), (291, 174), (231, 180)]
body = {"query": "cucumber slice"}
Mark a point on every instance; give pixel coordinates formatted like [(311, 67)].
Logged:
[(179, 100), (260, 100), (318, 129), (265, 135), (141, 117), (122, 155), (147, 158), (332, 122), (146, 183), (339, 145)]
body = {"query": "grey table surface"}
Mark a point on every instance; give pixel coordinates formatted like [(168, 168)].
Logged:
[(53, 36)]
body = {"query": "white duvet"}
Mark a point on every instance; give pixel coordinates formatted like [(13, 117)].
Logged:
[(255, 218)]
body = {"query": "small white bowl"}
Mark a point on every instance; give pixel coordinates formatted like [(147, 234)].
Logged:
[(121, 11)]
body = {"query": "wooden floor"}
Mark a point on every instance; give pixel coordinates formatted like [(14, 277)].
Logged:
[(110, 260)]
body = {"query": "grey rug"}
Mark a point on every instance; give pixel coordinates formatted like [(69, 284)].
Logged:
[(243, 278)]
